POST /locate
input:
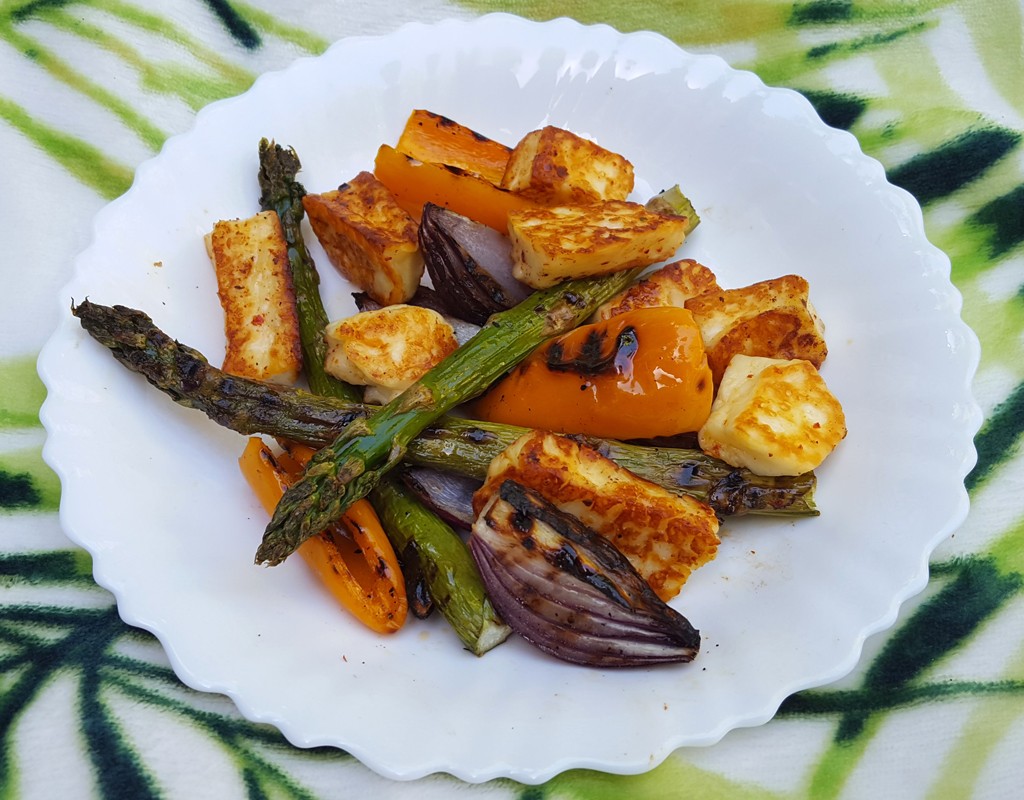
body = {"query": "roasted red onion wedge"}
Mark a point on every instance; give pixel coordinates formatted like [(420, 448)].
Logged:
[(469, 264), (450, 496), (568, 591)]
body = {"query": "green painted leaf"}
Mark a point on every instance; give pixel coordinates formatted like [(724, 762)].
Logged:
[(1004, 218), (941, 172), (998, 437)]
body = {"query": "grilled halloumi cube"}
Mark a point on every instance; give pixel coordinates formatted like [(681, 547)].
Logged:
[(254, 283), (368, 237), (772, 318), (664, 536), (388, 349), (558, 167), (550, 245), (670, 285), (773, 416)]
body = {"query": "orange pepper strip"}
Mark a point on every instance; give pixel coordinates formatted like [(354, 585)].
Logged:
[(438, 140), (354, 560), (415, 183)]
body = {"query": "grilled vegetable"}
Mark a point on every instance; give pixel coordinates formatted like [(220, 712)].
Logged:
[(353, 559), (463, 446), (416, 183), (469, 263), (641, 374), (568, 591), (280, 192), (436, 139), (250, 258), (772, 415), (558, 167), (673, 201), (445, 565), (447, 494), (555, 244), (368, 237), (349, 467), (664, 536)]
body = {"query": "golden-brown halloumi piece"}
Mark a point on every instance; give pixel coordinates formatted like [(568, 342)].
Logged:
[(772, 318), (664, 536), (558, 167), (550, 245), (670, 285), (254, 283), (368, 237), (389, 348), (773, 416)]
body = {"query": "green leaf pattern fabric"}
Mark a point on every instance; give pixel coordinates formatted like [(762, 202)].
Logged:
[(934, 89)]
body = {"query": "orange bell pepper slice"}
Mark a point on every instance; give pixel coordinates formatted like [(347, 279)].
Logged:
[(436, 139), (637, 375), (353, 559), (415, 183)]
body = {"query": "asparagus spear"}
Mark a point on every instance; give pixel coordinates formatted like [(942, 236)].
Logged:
[(453, 444), (467, 447), (450, 572), (280, 192), (673, 201), (415, 531)]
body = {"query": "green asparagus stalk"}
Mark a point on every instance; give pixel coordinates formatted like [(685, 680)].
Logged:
[(416, 532), (467, 447), (451, 574), (354, 463), (453, 444), (280, 192), (673, 201)]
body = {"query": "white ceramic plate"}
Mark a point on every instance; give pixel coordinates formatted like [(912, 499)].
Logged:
[(153, 492)]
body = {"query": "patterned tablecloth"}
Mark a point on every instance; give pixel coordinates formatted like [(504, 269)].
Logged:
[(932, 88)]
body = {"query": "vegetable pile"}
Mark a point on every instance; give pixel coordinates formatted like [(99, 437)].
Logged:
[(465, 446)]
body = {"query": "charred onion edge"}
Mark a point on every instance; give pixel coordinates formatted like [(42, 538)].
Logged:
[(468, 272), (600, 616)]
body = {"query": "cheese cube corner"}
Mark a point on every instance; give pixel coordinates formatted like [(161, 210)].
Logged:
[(557, 166)]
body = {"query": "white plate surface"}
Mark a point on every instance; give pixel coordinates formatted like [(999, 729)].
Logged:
[(153, 492)]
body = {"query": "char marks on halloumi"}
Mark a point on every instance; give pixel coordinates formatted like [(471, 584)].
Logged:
[(550, 245), (368, 237), (389, 348), (670, 285), (773, 416), (558, 167), (772, 318), (665, 536)]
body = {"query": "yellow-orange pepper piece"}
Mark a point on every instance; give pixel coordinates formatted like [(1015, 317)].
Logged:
[(354, 560), (637, 375), (436, 139), (415, 183)]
